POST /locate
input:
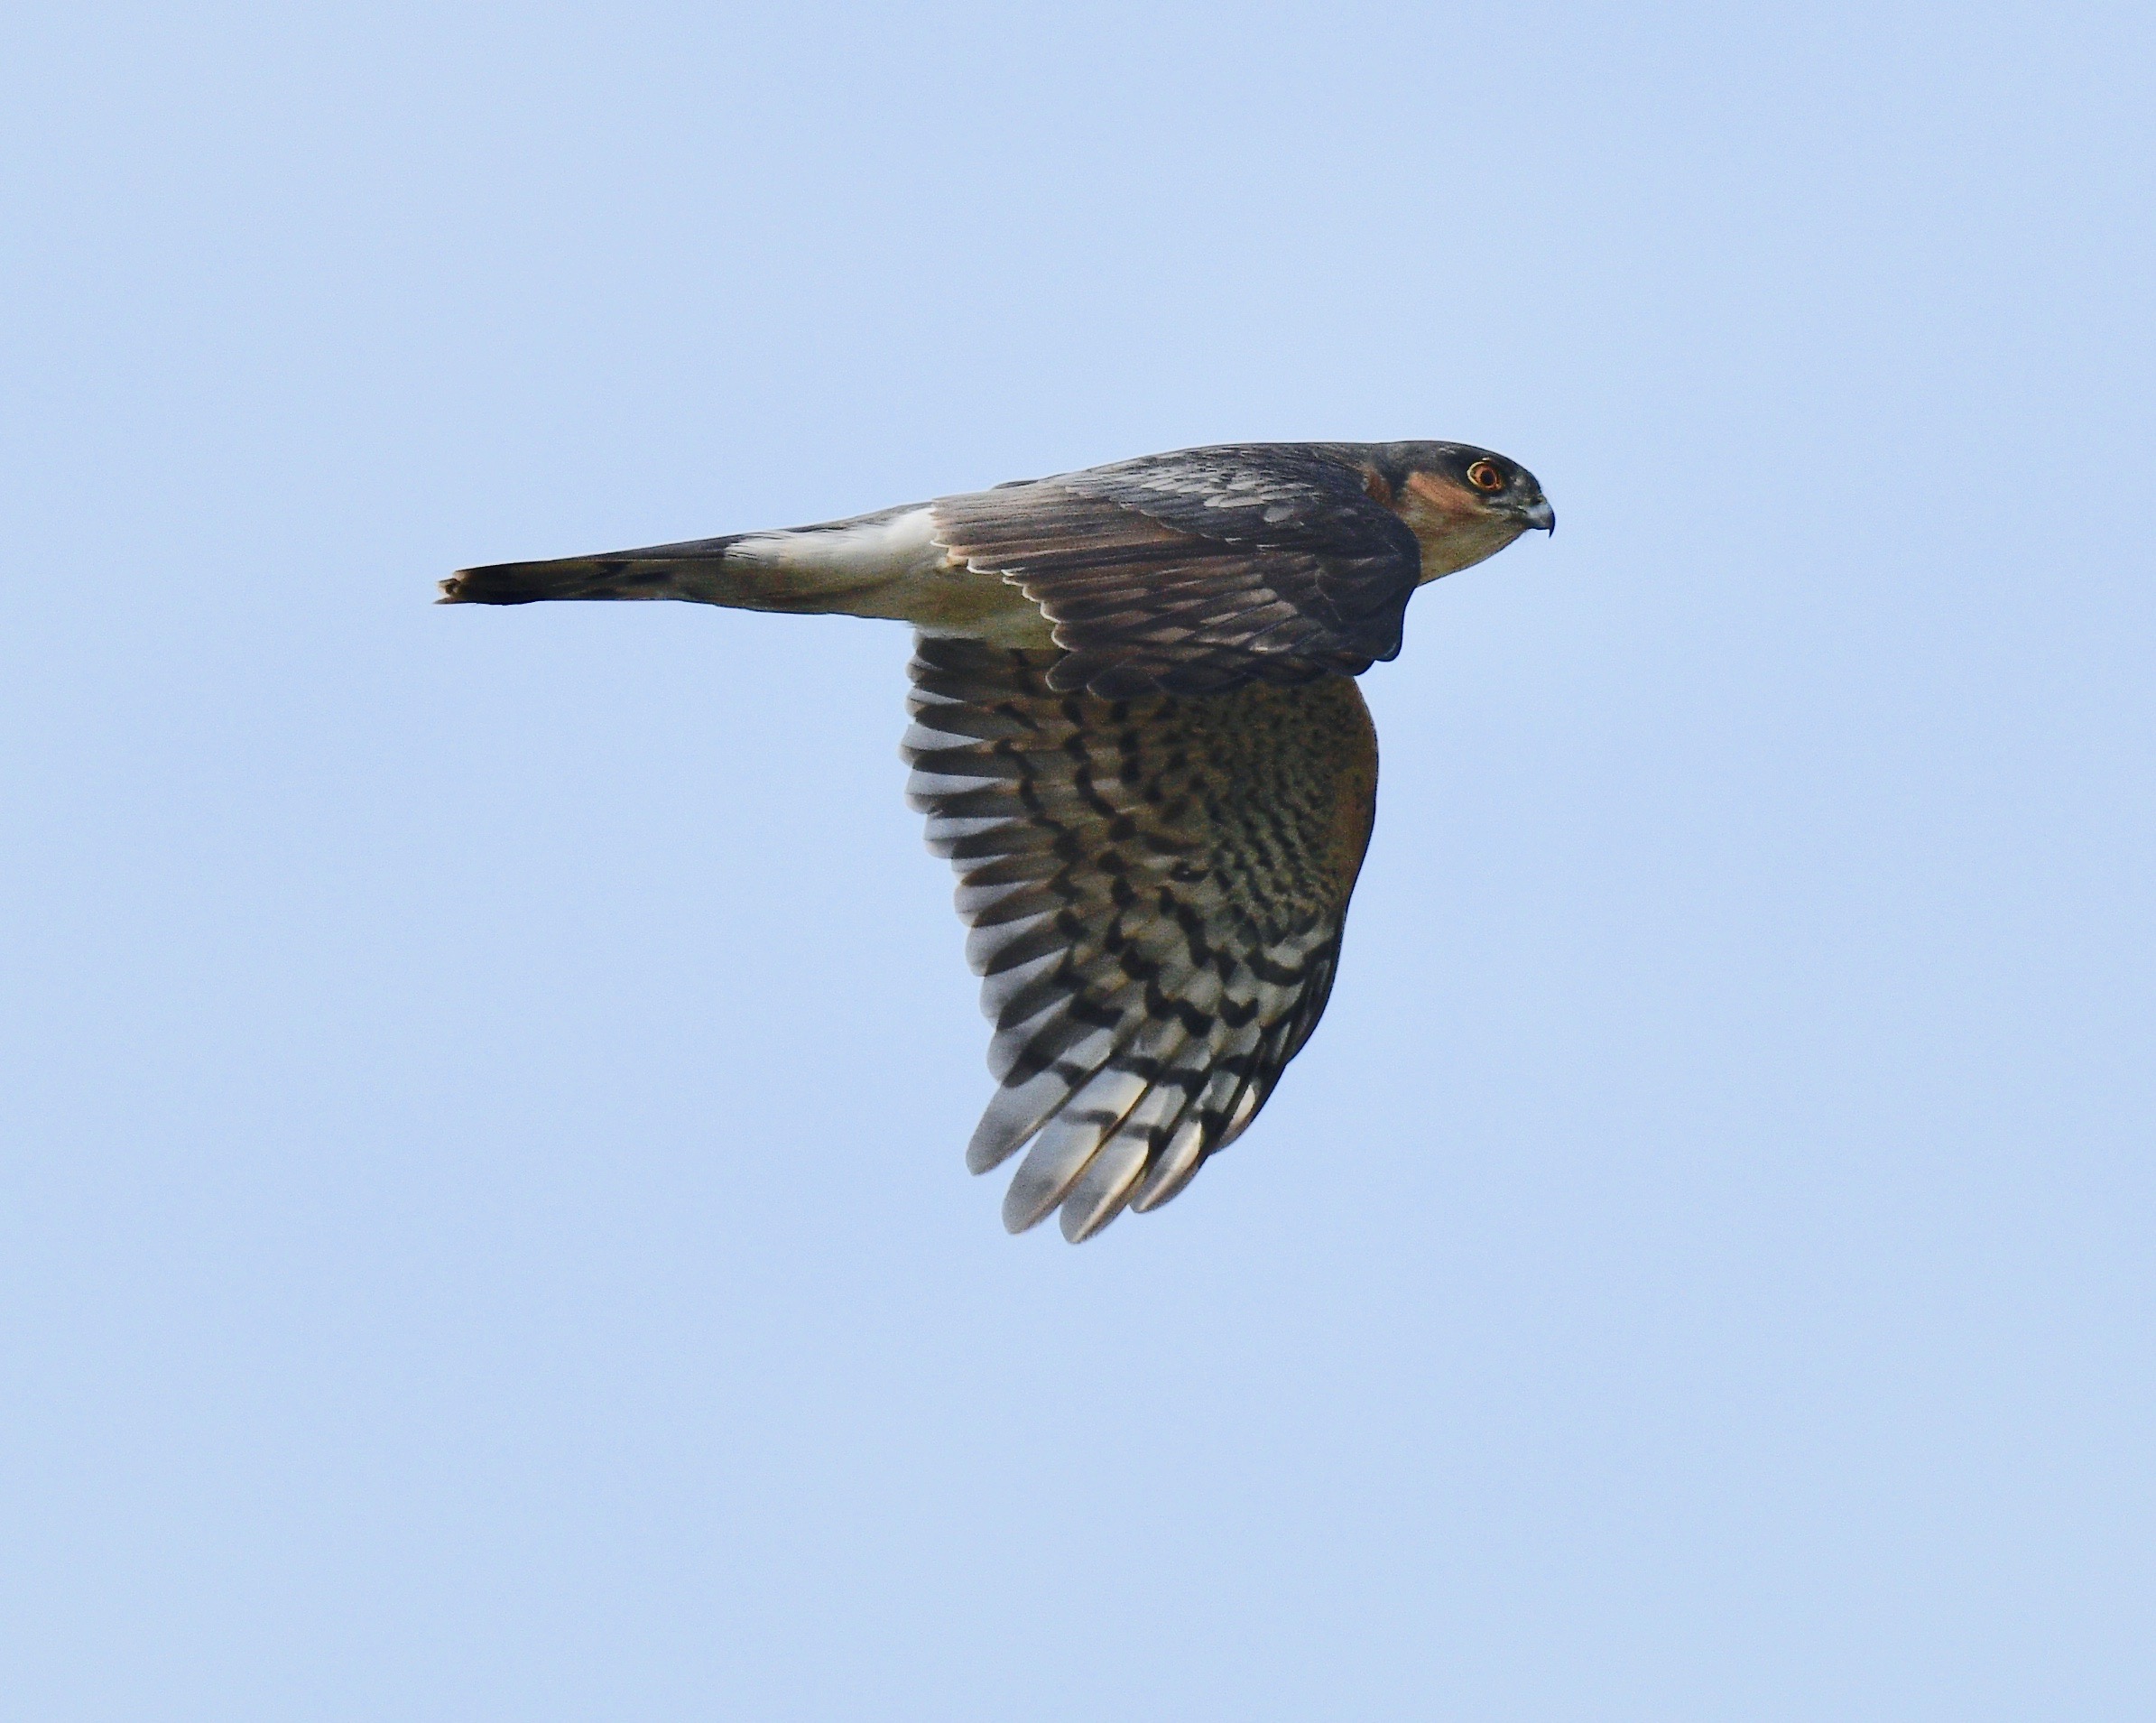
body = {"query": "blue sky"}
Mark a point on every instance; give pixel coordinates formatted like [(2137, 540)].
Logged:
[(483, 1230)]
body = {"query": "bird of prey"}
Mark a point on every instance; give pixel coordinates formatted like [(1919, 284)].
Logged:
[(1136, 736)]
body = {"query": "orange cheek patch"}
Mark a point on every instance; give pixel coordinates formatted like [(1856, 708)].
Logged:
[(1454, 526), (1438, 501)]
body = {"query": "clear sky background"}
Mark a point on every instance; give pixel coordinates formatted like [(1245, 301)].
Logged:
[(483, 1231)]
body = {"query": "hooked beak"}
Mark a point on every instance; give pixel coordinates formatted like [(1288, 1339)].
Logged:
[(1539, 515)]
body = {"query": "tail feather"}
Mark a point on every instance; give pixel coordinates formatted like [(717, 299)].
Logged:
[(696, 571), (888, 564), (867, 566)]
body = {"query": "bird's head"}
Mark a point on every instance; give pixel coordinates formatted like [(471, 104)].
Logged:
[(1462, 503)]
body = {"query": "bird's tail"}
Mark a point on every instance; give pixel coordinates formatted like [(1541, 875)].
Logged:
[(701, 571), (861, 568), (658, 571)]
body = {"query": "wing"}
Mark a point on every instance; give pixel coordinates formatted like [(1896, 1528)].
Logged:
[(1156, 888), (1195, 571)]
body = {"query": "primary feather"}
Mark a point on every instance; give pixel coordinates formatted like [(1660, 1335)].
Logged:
[(1156, 888)]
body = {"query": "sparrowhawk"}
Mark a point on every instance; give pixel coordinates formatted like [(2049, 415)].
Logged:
[(1137, 737)]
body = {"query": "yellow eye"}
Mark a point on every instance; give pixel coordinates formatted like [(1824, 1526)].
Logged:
[(1484, 477)]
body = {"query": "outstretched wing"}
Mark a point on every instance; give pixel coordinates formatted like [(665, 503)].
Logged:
[(1195, 571), (1156, 888)]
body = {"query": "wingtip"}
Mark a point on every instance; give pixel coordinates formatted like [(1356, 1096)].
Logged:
[(1013, 1114), (1044, 1178), (1022, 1213), (1104, 1190)]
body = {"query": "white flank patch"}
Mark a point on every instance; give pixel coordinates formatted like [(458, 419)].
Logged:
[(902, 545)]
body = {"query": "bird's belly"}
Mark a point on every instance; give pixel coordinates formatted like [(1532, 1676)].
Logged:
[(978, 605)]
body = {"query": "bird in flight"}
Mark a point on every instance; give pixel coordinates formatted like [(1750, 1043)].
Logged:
[(1137, 737)]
